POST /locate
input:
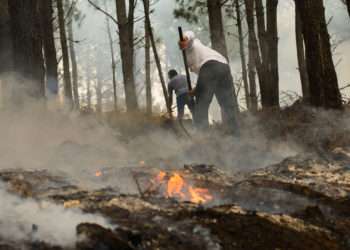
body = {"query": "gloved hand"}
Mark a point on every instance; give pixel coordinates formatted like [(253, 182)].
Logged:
[(192, 92), (184, 44)]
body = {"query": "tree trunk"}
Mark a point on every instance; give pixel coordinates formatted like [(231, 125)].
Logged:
[(252, 77), (47, 34), (242, 54), (324, 90), (268, 43), (73, 57), (261, 27), (98, 87), (304, 78), (114, 66), (148, 82), (217, 33), (348, 6), (27, 47), (88, 84), (65, 55), (6, 53), (156, 57), (126, 41), (254, 55), (272, 47)]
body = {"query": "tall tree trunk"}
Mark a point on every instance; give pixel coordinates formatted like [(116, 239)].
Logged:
[(217, 33), (148, 82), (268, 43), (88, 84), (156, 57), (324, 90), (73, 57), (252, 77), (254, 55), (304, 78), (98, 87), (242, 54), (46, 13), (126, 41), (347, 2), (114, 66), (6, 53), (272, 47), (65, 55), (27, 46)]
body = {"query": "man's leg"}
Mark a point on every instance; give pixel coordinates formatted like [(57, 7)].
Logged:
[(181, 101), (225, 95), (191, 104), (204, 95)]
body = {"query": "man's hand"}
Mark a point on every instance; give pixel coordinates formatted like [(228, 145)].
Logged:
[(184, 44), (192, 92)]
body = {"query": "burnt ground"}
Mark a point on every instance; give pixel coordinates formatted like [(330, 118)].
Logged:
[(302, 202)]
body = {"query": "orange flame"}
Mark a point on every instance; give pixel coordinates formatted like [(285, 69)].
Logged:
[(98, 173), (176, 187), (160, 177)]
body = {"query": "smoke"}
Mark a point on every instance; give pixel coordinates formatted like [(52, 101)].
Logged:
[(37, 138), (30, 220)]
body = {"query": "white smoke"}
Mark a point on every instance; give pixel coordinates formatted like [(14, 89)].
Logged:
[(28, 219)]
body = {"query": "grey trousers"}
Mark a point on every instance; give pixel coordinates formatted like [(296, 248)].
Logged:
[(215, 79)]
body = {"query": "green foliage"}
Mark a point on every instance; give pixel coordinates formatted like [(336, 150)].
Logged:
[(190, 10)]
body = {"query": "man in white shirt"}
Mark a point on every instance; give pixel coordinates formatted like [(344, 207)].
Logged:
[(214, 78)]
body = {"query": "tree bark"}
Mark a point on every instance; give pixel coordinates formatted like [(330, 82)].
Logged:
[(304, 78), (27, 46), (126, 41), (73, 57), (156, 57), (65, 55), (268, 44), (272, 53), (114, 66), (217, 33), (324, 90), (88, 84), (242, 54), (148, 82), (6, 53), (347, 2), (254, 55), (47, 34), (98, 87)]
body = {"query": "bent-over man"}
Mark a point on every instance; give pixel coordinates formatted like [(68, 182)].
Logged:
[(178, 84), (214, 78)]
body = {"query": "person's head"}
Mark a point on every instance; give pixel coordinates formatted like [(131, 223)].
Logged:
[(172, 73), (189, 38)]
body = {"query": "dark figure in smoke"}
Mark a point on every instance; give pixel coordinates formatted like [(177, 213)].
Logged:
[(214, 78), (178, 83)]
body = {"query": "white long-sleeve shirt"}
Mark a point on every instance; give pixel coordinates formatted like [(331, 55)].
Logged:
[(198, 54)]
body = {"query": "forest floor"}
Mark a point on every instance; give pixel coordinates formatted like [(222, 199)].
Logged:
[(301, 202)]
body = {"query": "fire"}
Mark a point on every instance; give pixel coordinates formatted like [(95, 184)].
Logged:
[(160, 177), (200, 195), (98, 173), (177, 187)]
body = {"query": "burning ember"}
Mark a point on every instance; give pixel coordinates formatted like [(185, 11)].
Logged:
[(98, 173), (176, 187)]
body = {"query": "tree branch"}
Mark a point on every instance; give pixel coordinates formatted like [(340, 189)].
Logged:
[(103, 11)]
